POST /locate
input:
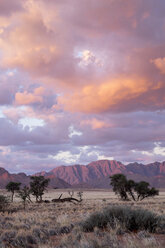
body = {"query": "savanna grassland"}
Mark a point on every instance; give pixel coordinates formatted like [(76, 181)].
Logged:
[(66, 225)]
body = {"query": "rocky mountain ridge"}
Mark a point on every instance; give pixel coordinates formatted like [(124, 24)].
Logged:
[(94, 175)]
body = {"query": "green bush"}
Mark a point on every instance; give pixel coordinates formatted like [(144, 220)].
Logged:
[(130, 219)]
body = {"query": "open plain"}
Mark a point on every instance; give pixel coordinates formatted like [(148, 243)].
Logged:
[(52, 225)]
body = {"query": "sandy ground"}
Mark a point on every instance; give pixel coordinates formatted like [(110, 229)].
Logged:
[(97, 195)]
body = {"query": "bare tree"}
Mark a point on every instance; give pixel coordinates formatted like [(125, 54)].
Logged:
[(71, 193)]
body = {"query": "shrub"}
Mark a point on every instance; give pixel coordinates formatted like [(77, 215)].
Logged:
[(41, 235), (8, 236), (129, 219), (4, 203), (97, 240)]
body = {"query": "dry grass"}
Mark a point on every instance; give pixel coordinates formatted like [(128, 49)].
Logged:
[(56, 225)]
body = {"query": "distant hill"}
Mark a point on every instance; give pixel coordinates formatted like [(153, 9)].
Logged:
[(6, 177), (93, 175)]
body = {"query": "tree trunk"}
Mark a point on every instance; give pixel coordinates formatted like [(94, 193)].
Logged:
[(67, 199), (12, 196), (132, 195)]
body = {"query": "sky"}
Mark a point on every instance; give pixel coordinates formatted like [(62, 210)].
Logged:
[(81, 81)]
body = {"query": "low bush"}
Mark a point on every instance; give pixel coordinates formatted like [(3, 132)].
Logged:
[(130, 219), (4, 203), (40, 234), (108, 239), (80, 240)]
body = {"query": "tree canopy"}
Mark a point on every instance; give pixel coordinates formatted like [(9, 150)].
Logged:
[(12, 187), (131, 190), (38, 185), (24, 194)]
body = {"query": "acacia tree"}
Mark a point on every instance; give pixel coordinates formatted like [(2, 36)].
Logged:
[(38, 185), (142, 189), (24, 194), (119, 184), (136, 190), (130, 187), (12, 187)]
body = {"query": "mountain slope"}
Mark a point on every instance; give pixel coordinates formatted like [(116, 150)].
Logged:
[(149, 170), (6, 177), (80, 173), (93, 175), (96, 174)]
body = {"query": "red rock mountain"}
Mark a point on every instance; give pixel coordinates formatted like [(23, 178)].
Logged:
[(93, 175), (149, 170), (96, 174), (76, 174)]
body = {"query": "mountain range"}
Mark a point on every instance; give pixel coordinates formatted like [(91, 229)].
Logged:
[(93, 175)]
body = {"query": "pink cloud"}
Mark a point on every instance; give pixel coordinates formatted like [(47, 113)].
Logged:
[(95, 123), (39, 95), (160, 64), (26, 98), (114, 95), (95, 67), (35, 46)]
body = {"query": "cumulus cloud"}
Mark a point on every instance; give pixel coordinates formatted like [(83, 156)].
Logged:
[(90, 72), (17, 134), (121, 94), (160, 64), (26, 98), (95, 123)]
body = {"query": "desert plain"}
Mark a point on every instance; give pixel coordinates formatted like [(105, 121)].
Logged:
[(49, 225)]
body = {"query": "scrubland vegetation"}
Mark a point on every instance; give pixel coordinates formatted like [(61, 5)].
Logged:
[(100, 220)]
